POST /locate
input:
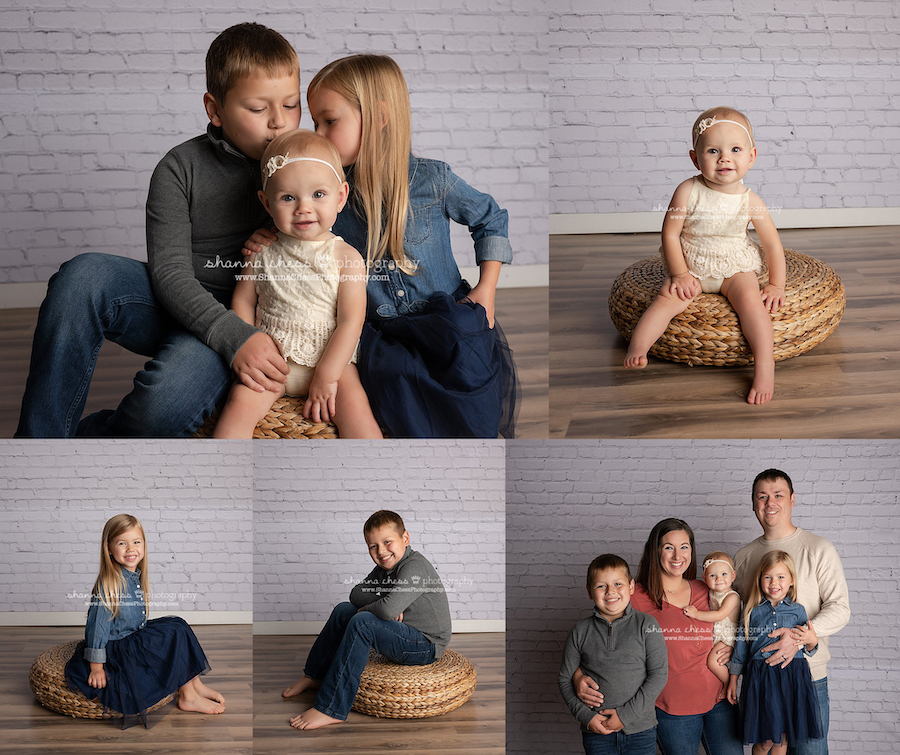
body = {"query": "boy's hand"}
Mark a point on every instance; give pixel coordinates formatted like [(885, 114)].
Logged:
[(320, 405), (773, 297), (97, 678), (485, 296), (400, 617), (259, 239), (588, 691), (684, 285), (732, 690), (613, 722), (805, 635), (598, 725), (691, 611), (259, 364)]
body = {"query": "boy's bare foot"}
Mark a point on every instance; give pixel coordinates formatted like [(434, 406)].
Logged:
[(301, 686), (763, 386), (313, 719), (208, 692), (195, 703), (635, 361)]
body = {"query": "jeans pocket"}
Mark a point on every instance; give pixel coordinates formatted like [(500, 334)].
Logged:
[(415, 657)]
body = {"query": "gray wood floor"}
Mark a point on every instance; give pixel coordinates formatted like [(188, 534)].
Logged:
[(30, 728), (475, 728), (847, 387), (522, 313)]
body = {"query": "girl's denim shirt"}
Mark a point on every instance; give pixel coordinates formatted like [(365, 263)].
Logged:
[(436, 196), (101, 627), (764, 619)]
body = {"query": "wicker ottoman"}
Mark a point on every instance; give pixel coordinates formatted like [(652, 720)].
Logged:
[(388, 690), (708, 332), (48, 682), (284, 420)]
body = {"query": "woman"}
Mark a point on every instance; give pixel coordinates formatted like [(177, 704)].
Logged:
[(691, 708)]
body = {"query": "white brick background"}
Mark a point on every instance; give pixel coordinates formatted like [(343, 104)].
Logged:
[(570, 501), (310, 505), (817, 78), (194, 500), (95, 92)]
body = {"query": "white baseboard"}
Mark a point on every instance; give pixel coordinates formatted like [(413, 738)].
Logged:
[(76, 618), (466, 626), (26, 295), (651, 222)]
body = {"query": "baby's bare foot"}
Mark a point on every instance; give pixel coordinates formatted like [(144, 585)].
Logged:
[(763, 386), (313, 719), (635, 360), (198, 704), (301, 686)]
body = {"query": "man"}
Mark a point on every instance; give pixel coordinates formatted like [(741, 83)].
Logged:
[(821, 587)]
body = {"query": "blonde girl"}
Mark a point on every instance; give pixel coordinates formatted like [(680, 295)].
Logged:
[(126, 661), (706, 247), (724, 608), (431, 359), (778, 704)]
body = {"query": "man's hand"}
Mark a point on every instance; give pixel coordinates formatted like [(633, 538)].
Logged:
[(784, 648)]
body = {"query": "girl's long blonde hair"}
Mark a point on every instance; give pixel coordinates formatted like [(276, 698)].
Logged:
[(756, 594), (374, 84), (110, 585)]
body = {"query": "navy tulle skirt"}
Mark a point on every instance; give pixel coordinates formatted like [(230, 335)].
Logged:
[(779, 701), (142, 668), (440, 373)]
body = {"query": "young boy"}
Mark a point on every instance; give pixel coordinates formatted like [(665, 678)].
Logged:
[(201, 207), (400, 610), (624, 651)]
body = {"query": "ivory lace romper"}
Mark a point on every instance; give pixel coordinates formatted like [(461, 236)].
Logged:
[(724, 630), (714, 237), (297, 290)]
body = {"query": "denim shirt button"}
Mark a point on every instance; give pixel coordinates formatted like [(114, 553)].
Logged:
[(391, 265), (401, 293)]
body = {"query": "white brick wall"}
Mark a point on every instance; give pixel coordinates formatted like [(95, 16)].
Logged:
[(194, 500), (570, 501), (310, 505), (818, 81), (94, 93)]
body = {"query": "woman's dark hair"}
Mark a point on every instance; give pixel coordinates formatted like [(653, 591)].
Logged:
[(650, 572)]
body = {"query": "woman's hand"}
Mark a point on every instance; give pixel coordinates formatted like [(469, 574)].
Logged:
[(97, 678), (773, 297), (684, 285), (587, 689), (261, 238)]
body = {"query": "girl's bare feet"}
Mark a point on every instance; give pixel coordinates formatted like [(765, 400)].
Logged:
[(208, 692), (636, 360), (304, 684), (763, 387), (313, 719), (189, 700)]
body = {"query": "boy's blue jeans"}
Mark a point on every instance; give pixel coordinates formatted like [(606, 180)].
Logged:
[(98, 296), (620, 743), (341, 650)]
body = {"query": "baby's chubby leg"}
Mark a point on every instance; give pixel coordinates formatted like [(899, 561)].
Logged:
[(713, 664), (653, 323), (742, 290), (353, 415), (243, 409)]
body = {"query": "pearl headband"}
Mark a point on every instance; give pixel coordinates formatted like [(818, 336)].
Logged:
[(711, 561), (276, 162), (709, 122)]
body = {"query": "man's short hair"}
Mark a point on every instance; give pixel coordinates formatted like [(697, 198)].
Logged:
[(771, 475)]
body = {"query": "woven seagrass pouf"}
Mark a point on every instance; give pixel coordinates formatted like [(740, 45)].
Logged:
[(708, 331), (389, 690), (48, 682), (284, 420)]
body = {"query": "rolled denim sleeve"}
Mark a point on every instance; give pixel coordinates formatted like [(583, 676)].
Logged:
[(741, 651), (487, 221), (96, 632)]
